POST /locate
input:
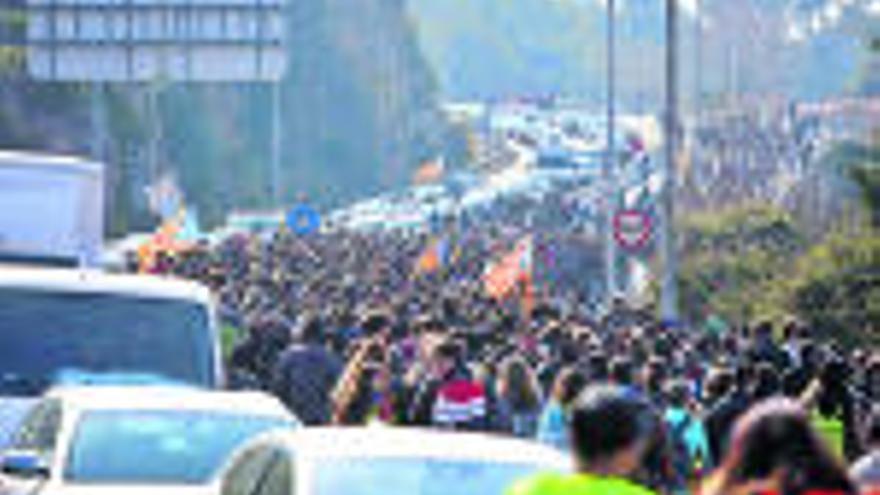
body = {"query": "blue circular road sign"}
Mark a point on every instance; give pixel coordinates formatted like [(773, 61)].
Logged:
[(303, 219)]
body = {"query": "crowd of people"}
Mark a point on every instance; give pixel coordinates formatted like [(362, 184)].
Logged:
[(344, 329)]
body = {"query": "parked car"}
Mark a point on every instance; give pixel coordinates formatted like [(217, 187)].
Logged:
[(383, 461), (112, 440)]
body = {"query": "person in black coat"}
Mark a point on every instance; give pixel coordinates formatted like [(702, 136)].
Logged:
[(306, 373)]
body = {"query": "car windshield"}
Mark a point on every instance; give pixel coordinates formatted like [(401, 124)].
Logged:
[(416, 476), (173, 447), (46, 335)]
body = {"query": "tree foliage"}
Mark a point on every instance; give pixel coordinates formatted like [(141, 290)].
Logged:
[(754, 262)]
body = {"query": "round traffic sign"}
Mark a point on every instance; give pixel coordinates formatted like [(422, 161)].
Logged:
[(632, 228), (303, 219)]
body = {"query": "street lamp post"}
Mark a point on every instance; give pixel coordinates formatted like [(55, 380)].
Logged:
[(669, 287), (610, 175)]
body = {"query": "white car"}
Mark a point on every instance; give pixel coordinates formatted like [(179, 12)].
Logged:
[(383, 461), (113, 440)]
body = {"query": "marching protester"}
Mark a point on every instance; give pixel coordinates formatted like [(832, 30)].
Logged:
[(519, 398), (305, 374), (775, 449), (464, 329), (552, 425), (866, 471), (449, 397), (611, 430), (688, 442)]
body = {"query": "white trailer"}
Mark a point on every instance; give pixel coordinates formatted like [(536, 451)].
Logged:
[(51, 207)]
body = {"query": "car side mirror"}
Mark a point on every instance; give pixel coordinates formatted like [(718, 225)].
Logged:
[(24, 464)]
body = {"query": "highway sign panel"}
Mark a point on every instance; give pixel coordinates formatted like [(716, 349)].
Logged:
[(156, 40)]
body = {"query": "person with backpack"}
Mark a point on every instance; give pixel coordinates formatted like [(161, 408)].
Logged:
[(689, 453)]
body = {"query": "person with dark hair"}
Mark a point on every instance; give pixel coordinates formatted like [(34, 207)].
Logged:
[(866, 471), (719, 382), (868, 391), (791, 342), (765, 382), (689, 447), (306, 373), (597, 365), (621, 372), (722, 415), (376, 324), (518, 401), (448, 396), (764, 347), (833, 407), (798, 378), (652, 379), (363, 392), (268, 336), (775, 449), (552, 427), (610, 430)]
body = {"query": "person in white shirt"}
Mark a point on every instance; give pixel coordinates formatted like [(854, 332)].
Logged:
[(866, 471)]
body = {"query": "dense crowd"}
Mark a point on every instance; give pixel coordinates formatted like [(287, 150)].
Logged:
[(345, 330)]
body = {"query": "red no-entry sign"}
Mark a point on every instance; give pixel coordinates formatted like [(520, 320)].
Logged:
[(632, 229)]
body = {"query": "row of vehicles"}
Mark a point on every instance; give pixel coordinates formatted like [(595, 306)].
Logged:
[(114, 383), (95, 440)]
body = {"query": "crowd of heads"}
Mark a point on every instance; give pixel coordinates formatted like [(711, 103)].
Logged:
[(343, 329)]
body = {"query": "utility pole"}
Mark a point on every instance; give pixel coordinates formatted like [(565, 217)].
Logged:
[(669, 286), (610, 169)]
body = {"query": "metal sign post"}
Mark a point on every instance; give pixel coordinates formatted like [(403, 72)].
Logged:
[(669, 284), (610, 171), (275, 158)]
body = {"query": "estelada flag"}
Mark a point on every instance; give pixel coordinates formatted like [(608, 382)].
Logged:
[(432, 257), (430, 171), (166, 239), (503, 277)]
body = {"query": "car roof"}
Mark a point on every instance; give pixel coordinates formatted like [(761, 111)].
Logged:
[(58, 163), (99, 282), (163, 398), (406, 442)]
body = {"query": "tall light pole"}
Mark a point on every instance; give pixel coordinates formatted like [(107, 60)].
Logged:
[(610, 169), (669, 285)]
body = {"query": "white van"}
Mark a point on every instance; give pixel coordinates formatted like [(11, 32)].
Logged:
[(51, 208), (68, 326)]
